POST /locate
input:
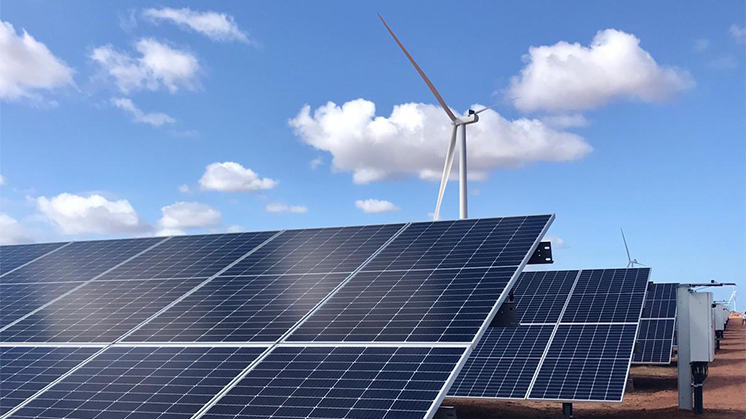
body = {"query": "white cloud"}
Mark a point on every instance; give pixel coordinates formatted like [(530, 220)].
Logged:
[(701, 44), (158, 67), (27, 65), (184, 188), (235, 229), (155, 119), (373, 206), (278, 207), (216, 26), (75, 214), (562, 121), (565, 76), (414, 138), (13, 232), (2, 180), (315, 163), (181, 216), (232, 177), (738, 33)]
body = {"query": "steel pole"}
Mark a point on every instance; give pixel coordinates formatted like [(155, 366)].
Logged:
[(463, 212)]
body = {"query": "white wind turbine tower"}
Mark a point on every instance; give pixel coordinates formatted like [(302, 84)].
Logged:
[(462, 121), (630, 262)]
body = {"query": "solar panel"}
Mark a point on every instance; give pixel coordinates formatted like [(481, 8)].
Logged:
[(11, 257), (426, 292), (25, 370), (100, 311), (189, 256), (586, 362), (341, 382), (438, 284), (504, 362), (656, 337), (506, 359), (240, 309), (16, 300), (79, 261), (518, 363), (607, 295), (322, 250), (142, 382), (589, 356)]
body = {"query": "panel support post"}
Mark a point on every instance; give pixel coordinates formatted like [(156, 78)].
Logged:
[(682, 345), (567, 410)]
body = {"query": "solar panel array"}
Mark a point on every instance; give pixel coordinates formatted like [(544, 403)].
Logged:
[(561, 351), (655, 340), (368, 321)]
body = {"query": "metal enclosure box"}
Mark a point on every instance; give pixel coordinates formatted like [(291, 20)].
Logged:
[(719, 317), (701, 327)]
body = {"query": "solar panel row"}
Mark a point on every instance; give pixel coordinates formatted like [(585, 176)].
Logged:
[(656, 337), (187, 297), (571, 353)]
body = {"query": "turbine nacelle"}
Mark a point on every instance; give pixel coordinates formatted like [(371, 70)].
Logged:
[(470, 118)]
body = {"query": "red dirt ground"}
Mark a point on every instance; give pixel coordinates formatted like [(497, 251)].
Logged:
[(655, 395)]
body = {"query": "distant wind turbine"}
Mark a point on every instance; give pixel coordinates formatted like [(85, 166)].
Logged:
[(462, 121), (630, 262)]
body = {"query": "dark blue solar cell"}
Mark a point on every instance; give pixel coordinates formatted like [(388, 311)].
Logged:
[(341, 382), (79, 261), (654, 341), (540, 296), (503, 363), (100, 311), (24, 370), (464, 243), (142, 382), (189, 256), (608, 295), (240, 309), (448, 305), (660, 301), (17, 300), (11, 257), (323, 250), (586, 362)]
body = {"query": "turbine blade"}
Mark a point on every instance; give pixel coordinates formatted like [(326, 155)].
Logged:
[(496, 104), (446, 171), (422, 73), (629, 258)]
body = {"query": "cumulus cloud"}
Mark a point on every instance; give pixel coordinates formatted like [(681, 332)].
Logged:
[(181, 216), (159, 66), (2, 180), (565, 77), (738, 33), (232, 177), (13, 232), (373, 206), (155, 119), (216, 26), (414, 138), (27, 65), (278, 207), (76, 214)]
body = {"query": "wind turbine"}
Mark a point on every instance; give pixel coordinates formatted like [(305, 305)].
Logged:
[(461, 121), (630, 262)]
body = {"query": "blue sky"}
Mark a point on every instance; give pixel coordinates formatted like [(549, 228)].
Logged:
[(125, 103)]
